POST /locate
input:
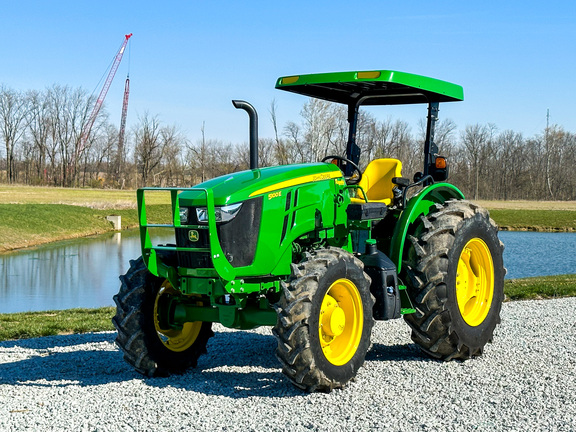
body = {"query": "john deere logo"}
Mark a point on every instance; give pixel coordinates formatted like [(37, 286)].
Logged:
[(193, 235)]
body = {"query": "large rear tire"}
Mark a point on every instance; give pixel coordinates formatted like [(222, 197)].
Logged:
[(455, 276), (324, 321), (151, 349)]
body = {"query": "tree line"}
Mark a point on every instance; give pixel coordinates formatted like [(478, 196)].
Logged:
[(41, 132)]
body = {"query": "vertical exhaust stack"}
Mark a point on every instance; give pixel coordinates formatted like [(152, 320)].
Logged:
[(253, 130)]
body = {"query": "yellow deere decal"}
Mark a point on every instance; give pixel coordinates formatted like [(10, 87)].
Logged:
[(193, 235), (298, 181)]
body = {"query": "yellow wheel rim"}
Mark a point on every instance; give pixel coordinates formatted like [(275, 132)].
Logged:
[(341, 322), (475, 282), (173, 339)]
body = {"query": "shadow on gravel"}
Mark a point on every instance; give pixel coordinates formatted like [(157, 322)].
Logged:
[(52, 364), (406, 352), (232, 384), (48, 342), (239, 364), (240, 349)]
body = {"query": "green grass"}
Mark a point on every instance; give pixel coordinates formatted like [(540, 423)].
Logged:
[(37, 324), (23, 225), (537, 220), (543, 287), (50, 323), (96, 198)]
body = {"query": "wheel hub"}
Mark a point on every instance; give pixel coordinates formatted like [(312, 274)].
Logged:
[(475, 282), (333, 317), (341, 322), (174, 339)]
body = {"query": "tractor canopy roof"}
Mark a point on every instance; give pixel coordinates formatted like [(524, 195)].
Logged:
[(380, 87)]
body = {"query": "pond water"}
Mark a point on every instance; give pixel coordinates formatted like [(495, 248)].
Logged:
[(71, 274), (84, 273), (528, 254)]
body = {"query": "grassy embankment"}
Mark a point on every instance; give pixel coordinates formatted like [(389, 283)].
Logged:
[(31, 216), (533, 215), (37, 324)]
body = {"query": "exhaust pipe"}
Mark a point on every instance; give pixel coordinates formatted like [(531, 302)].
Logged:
[(239, 104)]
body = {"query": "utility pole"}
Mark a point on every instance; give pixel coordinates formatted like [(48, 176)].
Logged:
[(548, 151)]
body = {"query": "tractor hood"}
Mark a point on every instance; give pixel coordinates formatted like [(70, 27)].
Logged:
[(243, 185)]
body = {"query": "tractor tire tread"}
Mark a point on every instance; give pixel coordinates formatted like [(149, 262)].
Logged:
[(426, 270), (134, 329), (294, 308)]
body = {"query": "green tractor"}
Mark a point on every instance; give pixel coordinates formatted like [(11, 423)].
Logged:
[(318, 251)]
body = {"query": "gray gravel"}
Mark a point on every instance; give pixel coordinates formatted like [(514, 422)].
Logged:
[(524, 382)]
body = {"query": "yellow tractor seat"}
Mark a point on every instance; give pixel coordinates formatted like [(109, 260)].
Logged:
[(377, 181)]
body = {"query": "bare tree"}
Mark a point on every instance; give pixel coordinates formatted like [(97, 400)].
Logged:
[(198, 158), (280, 151), (39, 127), (172, 142), (98, 164), (148, 146), (294, 151), (560, 146), (477, 141), (13, 122), (42, 136), (70, 109)]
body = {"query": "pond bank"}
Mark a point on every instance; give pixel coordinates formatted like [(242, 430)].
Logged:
[(537, 229), (27, 225)]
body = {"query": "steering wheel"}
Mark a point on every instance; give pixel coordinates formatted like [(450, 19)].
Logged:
[(351, 180)]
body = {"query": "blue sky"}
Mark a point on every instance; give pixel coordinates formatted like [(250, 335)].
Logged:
[(188, 59)]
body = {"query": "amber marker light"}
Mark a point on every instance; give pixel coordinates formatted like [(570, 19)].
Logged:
[(290, 79), (368, 75), (441, 162)]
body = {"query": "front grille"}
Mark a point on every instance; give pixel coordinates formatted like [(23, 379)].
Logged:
[(193, 259), (238, 238)]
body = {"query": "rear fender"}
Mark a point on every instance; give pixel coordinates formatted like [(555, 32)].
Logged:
[(418, 205)]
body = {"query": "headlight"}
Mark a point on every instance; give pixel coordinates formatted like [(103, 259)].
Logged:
[(221, 214), (184, 215)]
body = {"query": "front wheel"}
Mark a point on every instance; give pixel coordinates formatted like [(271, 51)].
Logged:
[(151, 346), (455, 277), (324, 321)]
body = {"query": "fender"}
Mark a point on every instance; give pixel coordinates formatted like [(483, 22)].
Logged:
[(418, 205)]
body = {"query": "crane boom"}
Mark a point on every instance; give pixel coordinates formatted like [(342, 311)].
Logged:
[(120, 156), (102, 95)]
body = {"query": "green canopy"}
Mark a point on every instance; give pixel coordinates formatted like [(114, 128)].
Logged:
[(380, 87)]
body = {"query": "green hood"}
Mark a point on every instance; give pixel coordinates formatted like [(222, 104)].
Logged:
[(240, 186)]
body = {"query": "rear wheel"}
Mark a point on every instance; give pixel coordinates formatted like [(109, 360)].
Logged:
[(152, 347), (324, 321), (455, 276)]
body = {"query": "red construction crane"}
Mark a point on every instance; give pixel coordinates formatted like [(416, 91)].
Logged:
[(102, 96), (123, 126)]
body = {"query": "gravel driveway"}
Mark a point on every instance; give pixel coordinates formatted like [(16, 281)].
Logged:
[(524, 382)]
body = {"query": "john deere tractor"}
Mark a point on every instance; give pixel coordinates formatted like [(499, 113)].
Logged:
[(318, 251)]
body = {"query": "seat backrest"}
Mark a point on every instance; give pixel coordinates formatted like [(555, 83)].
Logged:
[(377, 179)]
